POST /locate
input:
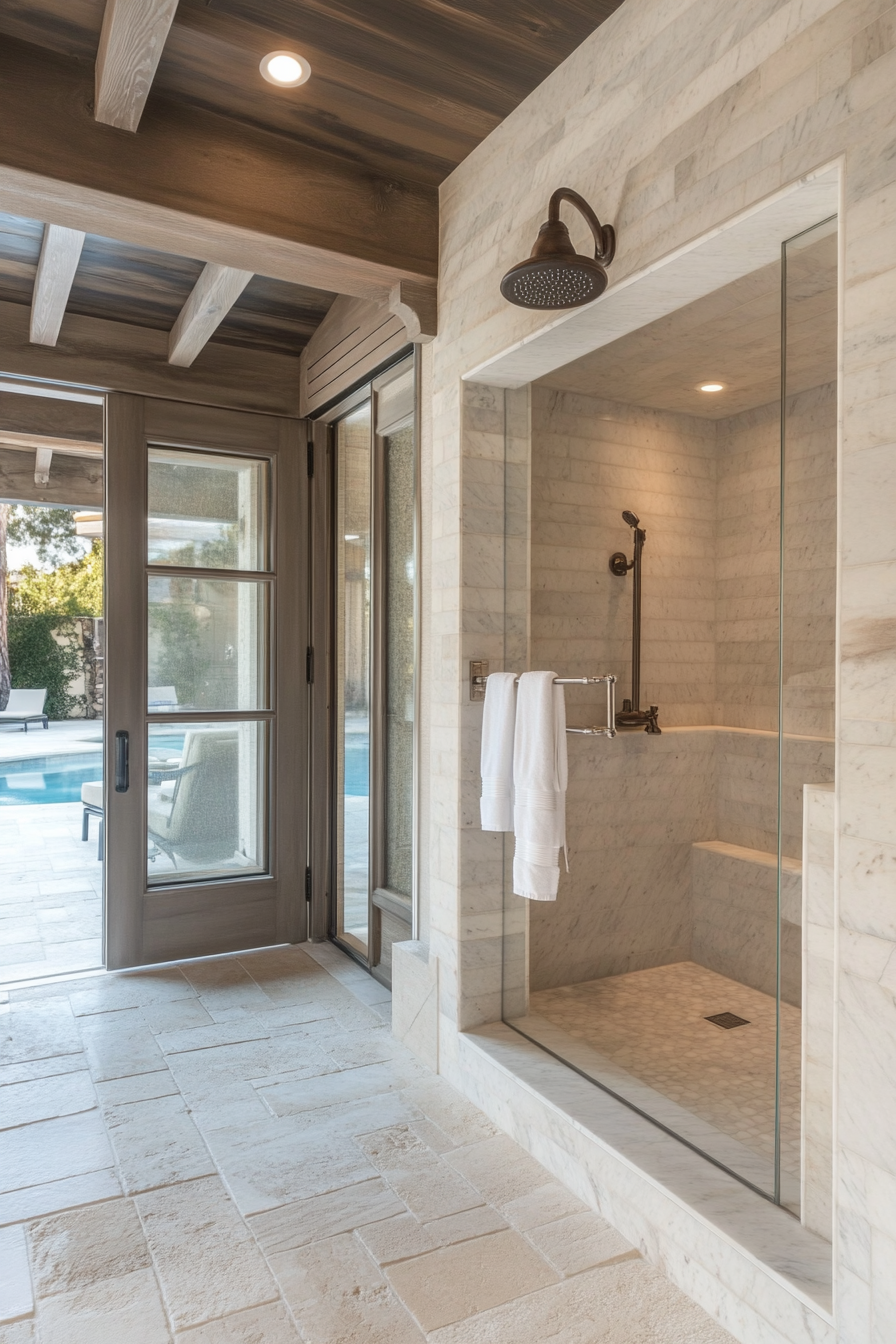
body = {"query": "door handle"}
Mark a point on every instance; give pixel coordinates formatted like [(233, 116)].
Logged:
[(122, 762)]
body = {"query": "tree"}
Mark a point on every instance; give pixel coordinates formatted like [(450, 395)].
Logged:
[(52, 533), (4, 610), (74, 589)]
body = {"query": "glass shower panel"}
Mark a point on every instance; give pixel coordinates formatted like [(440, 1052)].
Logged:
[(808, 618), (353, 679), (668, 970)]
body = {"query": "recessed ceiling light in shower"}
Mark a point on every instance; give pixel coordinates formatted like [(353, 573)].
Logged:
[(710, 387)]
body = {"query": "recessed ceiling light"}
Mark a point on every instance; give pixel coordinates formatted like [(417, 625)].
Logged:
[(285, 68), (711, 387)]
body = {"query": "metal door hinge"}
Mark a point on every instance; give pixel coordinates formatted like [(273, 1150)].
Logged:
[(308, 885), (311, 459), (309, 665)]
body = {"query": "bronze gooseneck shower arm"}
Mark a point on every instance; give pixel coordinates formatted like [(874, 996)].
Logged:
[(631, 715)]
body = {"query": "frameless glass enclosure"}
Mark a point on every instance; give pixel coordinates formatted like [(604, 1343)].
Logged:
[(673, 969)]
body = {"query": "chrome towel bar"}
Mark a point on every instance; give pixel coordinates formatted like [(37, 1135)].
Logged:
[(479, 676)]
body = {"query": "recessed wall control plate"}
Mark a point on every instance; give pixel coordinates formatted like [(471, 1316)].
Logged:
[(478, 674)]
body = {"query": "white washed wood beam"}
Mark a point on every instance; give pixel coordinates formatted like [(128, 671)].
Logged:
[(213, 296), (131, 43), (59, 256), (42, 459)]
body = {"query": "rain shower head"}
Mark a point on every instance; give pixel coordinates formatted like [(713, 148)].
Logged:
[(555, 275), (631, 518)]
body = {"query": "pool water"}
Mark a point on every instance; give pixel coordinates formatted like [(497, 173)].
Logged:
[(357, 765), (48, 779)]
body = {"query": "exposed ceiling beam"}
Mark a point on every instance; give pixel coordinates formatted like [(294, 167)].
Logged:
[(131, 42), (199, 185), (59, 256), (38, 443), (213, 296), (42, 459)]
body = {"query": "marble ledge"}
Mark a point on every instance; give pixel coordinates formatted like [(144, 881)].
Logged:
[(769, 1239)]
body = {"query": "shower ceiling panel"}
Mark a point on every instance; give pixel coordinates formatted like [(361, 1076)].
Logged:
[(731, 336)]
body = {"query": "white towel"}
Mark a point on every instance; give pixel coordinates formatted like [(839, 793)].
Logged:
[(539, 785), (496, 754)]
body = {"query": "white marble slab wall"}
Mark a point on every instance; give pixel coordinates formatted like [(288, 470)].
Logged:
[(672, 119), (591, 459), (817, 1121)]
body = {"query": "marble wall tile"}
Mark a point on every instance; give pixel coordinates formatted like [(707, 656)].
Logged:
[(675, 116)]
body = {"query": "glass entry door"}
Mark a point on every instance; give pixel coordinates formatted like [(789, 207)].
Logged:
[(206, 683)]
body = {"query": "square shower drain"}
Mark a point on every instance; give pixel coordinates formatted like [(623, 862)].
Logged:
[(727, 1020)]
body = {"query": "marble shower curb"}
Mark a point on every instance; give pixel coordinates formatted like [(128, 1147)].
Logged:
[(752, 1266)]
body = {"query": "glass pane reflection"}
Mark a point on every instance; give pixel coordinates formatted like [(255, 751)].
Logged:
[(353, 675), (207, 510), (206, 801), (206, 644)]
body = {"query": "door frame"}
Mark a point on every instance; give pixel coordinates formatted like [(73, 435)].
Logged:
[(146, 925)]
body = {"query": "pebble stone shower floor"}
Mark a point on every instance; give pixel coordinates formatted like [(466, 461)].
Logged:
[(237, 1151)]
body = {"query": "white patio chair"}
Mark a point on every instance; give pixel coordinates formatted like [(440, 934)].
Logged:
[(25, 707)]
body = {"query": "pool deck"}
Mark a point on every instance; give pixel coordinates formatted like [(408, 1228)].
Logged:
[(59, 739), (50, 887)]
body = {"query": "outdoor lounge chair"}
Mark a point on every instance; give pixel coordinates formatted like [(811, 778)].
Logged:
[(193, 808), (92, 799), (25, 707)]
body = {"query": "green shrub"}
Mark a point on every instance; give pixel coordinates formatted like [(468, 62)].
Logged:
[(36, 659)]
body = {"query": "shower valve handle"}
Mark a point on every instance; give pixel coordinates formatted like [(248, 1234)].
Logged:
[(619, 565)]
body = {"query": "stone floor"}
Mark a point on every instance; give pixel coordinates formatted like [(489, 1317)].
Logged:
[(236, 1151), (653, 1025), (51, 892)]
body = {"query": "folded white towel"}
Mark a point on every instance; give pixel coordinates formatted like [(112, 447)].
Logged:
[(496, 753), (539, 785)]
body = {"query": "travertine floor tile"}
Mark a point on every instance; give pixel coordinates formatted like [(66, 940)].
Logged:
[(459, 1281), (322, 1216), (20, 1333), (46, 1098), (36, 1200), (544, 1205), (579, 1242), (16, 1293), (119, 1044), (108, 1312), (205, 1256), (156, 1143), (259, 1325), (428, 1187), (73, 1250), (366, 1202), (498, 1169), (52, 1150), (41, 1030), (336, 1292), (631, 1303), (273, 1163)]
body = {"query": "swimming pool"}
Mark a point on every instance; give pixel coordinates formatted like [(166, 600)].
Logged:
[(48, 779)]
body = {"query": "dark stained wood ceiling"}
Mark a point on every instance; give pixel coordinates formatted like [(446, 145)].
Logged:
[(123, 283), (404, 88)]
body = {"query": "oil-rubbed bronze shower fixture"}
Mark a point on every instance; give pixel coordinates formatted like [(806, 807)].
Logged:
[(555, 275), (631, 715)]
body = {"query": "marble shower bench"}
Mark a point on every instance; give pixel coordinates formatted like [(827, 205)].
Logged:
[(735, 902)]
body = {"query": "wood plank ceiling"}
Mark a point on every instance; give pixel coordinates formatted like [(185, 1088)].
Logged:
[(405, 88), (400, 92)]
